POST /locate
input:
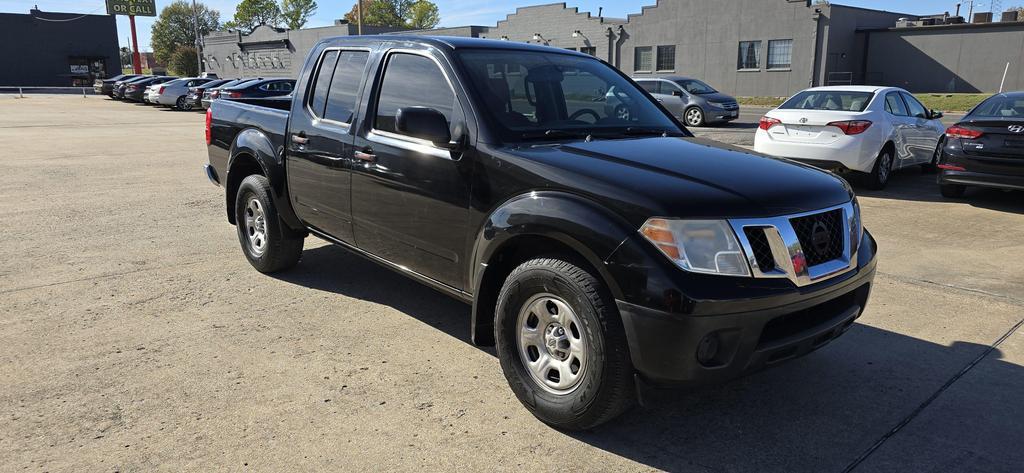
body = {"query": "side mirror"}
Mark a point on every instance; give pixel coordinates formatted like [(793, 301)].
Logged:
[(424, 123), (677, 93), (934, 115)]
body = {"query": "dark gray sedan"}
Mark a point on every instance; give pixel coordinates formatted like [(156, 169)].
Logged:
[(693, 101)]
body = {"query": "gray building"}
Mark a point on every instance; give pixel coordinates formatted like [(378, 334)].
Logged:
[(269, 51), (57, 49), (742, 47), (946, 58)]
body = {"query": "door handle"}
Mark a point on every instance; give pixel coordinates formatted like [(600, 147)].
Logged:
[(365, 156), (300, 138)]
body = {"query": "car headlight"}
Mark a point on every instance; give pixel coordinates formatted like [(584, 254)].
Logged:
[(699, 246), (716, 104)]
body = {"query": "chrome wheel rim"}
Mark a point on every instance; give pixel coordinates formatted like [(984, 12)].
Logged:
[(551, 343), (884, 166), (693, 117), (255, 226)]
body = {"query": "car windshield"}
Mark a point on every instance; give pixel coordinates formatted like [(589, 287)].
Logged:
[(695, 87), (537, 95), (1000, 106), (835, 100)]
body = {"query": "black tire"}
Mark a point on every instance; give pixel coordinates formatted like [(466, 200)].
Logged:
[(182, 104), (931, 166), (605, 388), (952, 191), (878, 178), (693, 116), (279, 248)]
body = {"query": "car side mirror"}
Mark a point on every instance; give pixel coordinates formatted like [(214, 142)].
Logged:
[(934, 115), (424, 123), (677, 93)]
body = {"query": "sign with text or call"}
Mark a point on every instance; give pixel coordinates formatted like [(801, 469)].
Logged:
[(131, 7)]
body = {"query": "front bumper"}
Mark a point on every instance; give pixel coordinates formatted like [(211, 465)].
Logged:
[(708, 341), (718, 115)]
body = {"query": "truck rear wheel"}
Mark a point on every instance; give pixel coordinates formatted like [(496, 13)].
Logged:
[(267, 242), (562, 346)]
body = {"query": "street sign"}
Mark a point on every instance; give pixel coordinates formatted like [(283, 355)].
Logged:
[(131, 7)]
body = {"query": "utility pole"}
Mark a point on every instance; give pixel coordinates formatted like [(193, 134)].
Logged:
[(199, 41), (359, 18)]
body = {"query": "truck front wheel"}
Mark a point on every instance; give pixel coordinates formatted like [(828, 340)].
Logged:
[(268, 244), (562, 346)]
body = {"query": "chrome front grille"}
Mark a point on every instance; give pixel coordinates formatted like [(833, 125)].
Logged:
[(730, 105), (805, 248)]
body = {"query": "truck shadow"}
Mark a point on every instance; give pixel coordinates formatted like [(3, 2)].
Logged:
[(816, 413)]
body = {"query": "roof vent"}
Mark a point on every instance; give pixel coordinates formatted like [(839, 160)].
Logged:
[(905, 23), (1009, 16), (983, 17)]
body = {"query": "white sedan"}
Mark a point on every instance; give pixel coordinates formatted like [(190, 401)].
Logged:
[(867, 129)]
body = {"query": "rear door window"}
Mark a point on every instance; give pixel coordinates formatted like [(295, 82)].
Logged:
[(651, 86), (322, 83), (894, 104), (344, 90), (405, 78)]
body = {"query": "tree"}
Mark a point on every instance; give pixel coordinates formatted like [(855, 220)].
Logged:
[(252, 13), (397, 13), (296, 13), (183, 61), (176, 27), (423, 15)]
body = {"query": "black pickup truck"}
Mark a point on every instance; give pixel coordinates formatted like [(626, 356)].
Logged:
[(600, 244)]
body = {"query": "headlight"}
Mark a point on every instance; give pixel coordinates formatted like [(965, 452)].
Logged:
[(716, 104), (700, 246)]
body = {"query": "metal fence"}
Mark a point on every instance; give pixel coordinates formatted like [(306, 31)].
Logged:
[(21, 90)]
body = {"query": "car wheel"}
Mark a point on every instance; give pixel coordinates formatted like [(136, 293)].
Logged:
[(952, 191), (561, 345), (930, 166), (879, 175), (267, 242), (622, 112), (182, 104), (693, 116)]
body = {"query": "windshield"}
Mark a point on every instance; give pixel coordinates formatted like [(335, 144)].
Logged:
[(835, 100), (536, 95), (695, 86), (1000, 106)]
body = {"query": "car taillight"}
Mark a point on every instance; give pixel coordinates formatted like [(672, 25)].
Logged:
[(233, 94), (767, 122), (851, 127), (209, 120), (214, 94), (957, 131), (161, 90)]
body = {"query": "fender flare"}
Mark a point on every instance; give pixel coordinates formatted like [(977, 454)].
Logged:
[(588, 229), (253, 145)]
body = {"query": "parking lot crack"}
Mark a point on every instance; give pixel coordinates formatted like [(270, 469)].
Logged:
[(927, 402), (929, 283)]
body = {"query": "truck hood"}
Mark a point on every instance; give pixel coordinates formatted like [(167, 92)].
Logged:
[(686, 177)]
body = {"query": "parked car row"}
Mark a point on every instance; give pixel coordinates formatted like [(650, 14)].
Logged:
[(871, 131), (187, 93)]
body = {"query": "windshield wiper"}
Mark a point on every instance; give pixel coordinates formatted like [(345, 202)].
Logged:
[(636, 131), (555, 134)]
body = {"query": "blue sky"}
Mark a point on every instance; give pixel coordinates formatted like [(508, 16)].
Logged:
[(453, 12)]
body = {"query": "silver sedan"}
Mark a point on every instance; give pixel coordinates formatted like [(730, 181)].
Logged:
[(174, 92)]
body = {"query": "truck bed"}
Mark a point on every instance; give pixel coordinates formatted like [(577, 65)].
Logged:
[(230, 117)]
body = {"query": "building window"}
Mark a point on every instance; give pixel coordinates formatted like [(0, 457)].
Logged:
[(642, 60), (591, 50), (780, 53), (666, 58), (749, 57)]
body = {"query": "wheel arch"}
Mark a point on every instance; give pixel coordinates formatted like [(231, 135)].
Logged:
[(533, 225), (253, 153)]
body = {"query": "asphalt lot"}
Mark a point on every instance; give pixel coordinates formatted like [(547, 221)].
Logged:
[(135, 337)]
